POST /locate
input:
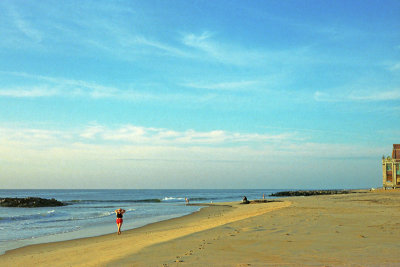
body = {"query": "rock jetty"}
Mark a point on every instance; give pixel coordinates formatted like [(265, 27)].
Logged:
[(29, 202), (308, 193)]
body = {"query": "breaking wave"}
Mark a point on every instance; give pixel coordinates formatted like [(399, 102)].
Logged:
[(38, 215), (87, 201)]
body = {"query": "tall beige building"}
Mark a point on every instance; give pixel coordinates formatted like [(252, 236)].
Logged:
[(391, 169)]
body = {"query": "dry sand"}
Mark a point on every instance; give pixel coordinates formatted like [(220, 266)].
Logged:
[(360, 229)]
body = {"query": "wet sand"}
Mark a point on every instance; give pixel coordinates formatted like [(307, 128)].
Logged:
[(359, 229)]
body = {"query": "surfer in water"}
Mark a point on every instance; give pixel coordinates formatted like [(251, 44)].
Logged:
[(119, 220)]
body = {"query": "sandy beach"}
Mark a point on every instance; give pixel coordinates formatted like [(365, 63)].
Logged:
[(358, 229)]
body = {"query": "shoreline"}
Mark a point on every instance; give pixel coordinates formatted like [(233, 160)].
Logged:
[(180, 226), (336, 230), (88, 212), (91, 232)]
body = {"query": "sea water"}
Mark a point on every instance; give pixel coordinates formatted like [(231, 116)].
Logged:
[(91, 212)]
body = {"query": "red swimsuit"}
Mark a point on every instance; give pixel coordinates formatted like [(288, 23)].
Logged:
[(119, 218)]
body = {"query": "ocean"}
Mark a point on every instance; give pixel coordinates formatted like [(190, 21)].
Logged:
[(91, 212)]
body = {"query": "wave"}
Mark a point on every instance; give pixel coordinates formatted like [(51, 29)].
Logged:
[(61, 230), (51, 214), (93, 201), (39, 215), (107, 203), (80, 218), (201, 199), (90, 216), (146, 200), (173, 198), (153, 200)]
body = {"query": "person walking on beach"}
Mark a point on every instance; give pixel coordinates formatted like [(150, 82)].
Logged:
[(119, 220)]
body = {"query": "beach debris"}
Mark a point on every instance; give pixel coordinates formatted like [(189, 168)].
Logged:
[(263, 201), (257, 201), (30, 202)]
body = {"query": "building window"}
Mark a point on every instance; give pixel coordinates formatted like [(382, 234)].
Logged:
[(389, 167), (397, 169)]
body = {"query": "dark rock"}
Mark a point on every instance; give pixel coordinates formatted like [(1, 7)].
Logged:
[(309, 193), (30, 202)]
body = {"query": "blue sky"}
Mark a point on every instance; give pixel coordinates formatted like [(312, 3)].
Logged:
[(198, 94)]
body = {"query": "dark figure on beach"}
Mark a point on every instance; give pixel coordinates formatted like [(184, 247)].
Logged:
[(119, 220), (245, 200)]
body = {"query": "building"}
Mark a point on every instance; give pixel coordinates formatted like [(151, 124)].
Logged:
[(391, 169)]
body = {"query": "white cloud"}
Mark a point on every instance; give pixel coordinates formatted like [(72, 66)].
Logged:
[(87, 30), (35, 137), (394, 67), (158, 136), (46, 86), (58, 86), (64, 87), (138, 136), (222, 52), (228, 86), (154, 144), (24, 26), (145, 157), (173, 51), (331, 151), (326, 97), (31, 92), (91, 131), (200, 41), (358, 96), (376, 96)]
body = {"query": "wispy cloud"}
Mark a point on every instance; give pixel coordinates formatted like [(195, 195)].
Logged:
[(332, 151), (170, 50), (394, 66), (98, 154), (201, 42), (41, 138), (23, 25), (376, 96), (360, 96), (326, 97), (223, 86), (139, 135), (221, 52), (148, 135), (30, 92), (91, 131), (130, 141), (56, 86), (85, 29), (36, 86)]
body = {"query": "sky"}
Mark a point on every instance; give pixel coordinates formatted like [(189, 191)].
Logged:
[(198, 94)]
